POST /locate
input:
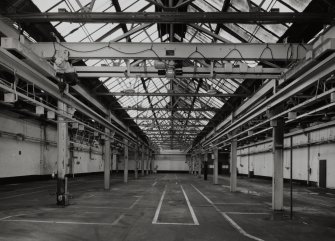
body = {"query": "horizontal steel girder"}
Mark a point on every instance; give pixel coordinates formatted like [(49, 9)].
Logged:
[(158, 135), (175, 126), (173, 51), (171, 94), (170, 109), (176, 17), (187, 72), (168, 118)]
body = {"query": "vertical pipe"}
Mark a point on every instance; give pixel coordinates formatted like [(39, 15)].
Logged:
[(126, 159), (233, 173), (277, 180), (216, 165), (107, 161), (62, 133)]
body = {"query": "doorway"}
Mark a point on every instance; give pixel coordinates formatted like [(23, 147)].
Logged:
[(323, 173)]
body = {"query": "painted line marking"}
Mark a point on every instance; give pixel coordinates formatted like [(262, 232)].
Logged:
[(136, 201), (57, 222), (250, 204), (154, 221), (23, 194), (231, 221), (116, 222), (154, 184), (17, 215), (195, 220), (241, 213), (186, 224), (97, 207), (89, 196), (226, 186)]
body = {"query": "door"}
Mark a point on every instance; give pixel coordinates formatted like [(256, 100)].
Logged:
[(323, 173)]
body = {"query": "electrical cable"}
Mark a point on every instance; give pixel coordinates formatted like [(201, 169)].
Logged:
[(267, 47)]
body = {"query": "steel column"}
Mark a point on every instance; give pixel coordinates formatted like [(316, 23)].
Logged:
[(126, 160), (205, 165), (136, 161), (142, 160), (147, 163), (199, 167), (278, 160), (107, 160), (62, 139), (233, 169), (216, 165)]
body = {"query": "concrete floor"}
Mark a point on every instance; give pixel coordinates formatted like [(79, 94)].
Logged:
[(162, 207)]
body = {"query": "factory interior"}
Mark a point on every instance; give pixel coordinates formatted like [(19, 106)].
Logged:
[(167, 120)]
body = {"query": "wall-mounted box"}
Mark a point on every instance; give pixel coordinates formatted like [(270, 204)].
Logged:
[(39, 110)]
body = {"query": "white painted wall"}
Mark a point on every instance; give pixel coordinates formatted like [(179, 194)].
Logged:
[(35, 158), (322, 146)]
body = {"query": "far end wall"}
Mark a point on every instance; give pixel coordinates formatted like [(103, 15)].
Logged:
[(171, 160)]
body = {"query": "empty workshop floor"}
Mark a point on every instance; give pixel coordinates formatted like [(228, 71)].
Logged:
[(162, 207)]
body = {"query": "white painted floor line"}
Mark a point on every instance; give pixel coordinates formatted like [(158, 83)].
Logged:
[(97, 207), (56, 222), (226, 186), (243, 213), (154, 221), (246, 204), (186, 224), (231, 221), (23, 194), (195, 220), (154, 184), (116, 222), (17, 215), (235, 225), (136, 202)]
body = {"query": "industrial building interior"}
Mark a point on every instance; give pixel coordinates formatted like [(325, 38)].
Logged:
[(167, 120)]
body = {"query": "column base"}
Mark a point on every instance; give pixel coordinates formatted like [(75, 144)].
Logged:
[(62, 197)]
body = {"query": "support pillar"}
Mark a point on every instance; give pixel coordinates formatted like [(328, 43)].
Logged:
[(115, 160), (136, 161), (205, 166), (126, 160), (193, 164), (233, 161), (107, 161), (62, 139), (147, 162), (216, 165), (199, 167), (142, 161), (278, 157)]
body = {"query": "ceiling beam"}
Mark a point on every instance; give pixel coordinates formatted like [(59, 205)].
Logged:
[(175, 17), (173, 51), (166, 118), (227, 72), (168, 109), (171, 94)]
